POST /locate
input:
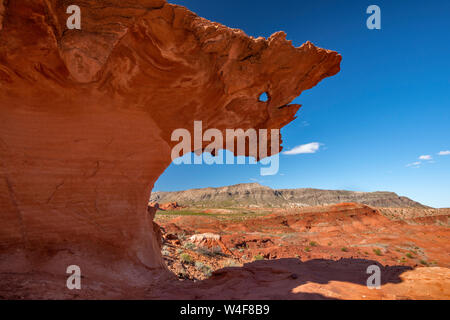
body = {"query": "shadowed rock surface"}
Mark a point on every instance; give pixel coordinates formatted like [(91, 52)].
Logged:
[(256, 195)]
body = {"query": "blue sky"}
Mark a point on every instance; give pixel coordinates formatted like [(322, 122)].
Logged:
[(389, 105)]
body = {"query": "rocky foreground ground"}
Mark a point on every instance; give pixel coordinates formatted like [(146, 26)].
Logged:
[(310, 253), (320, 252)]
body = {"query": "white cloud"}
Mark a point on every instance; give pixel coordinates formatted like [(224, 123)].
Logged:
[(414, 164), (428, 158), (309, 148), (305, 124)]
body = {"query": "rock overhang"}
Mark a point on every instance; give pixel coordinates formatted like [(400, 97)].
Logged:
[(88, 114)]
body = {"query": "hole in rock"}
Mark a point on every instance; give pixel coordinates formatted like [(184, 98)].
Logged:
[(264, 97)]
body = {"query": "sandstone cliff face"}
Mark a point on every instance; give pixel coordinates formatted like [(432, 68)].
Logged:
[(87, 115)]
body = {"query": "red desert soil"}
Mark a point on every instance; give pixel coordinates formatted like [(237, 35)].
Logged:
[(332, 232), (319, 253), (87, 117)]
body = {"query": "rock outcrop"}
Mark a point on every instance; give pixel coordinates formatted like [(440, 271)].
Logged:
[(256, 195), (164, 206), (210, 241), (87, 116)]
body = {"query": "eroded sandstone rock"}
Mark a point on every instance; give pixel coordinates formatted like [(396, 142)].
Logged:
[(211, 242), (87, 115)]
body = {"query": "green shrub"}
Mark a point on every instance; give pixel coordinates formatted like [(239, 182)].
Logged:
[(185, 258), (258, 257), (409, 255), (424, 262), (307, 249), (189, 246), (344, 249), (210, 252), (206, 270), (231, 264), (313, 244), (377, 252)]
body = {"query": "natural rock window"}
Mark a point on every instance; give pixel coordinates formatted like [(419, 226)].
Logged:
[(264, 97)]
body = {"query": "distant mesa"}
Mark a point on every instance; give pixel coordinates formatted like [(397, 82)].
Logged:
[(258, 196)]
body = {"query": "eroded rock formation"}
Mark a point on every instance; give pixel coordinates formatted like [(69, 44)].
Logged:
[(87, 115)]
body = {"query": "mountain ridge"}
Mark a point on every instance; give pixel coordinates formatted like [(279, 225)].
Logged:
[(257, 195)]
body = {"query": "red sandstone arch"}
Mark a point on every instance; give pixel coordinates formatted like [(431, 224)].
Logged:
[(86, 118)]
